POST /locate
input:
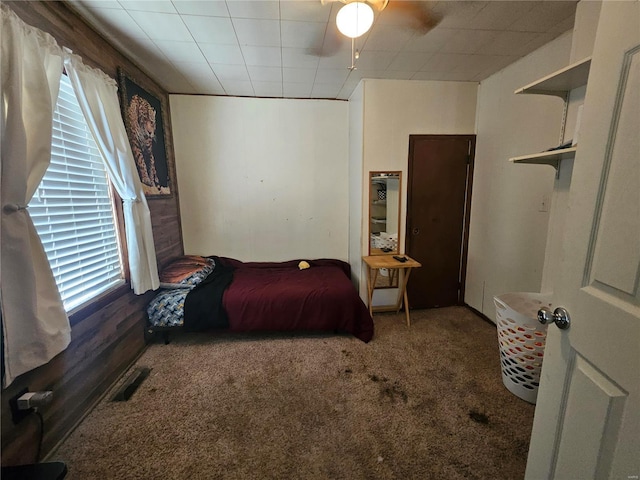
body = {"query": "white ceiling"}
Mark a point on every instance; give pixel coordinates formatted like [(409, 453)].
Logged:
[(291, 48)]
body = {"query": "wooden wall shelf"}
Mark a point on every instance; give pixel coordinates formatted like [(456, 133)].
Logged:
[(552, 157), (561, 82)]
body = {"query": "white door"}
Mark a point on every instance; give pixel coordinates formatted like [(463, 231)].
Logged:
[(588, 408)]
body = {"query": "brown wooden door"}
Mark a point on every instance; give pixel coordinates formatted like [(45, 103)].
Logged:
[(438, 200)]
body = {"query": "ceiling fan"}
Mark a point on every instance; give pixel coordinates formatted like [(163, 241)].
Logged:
[(415, 14)]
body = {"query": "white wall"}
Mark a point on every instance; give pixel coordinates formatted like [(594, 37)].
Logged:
[(356, 185), (393, 110), (509, 223), (262, 179), (582, 41)]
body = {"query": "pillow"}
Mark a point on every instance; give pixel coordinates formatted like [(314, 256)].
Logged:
[(167, 308), (186, 270)]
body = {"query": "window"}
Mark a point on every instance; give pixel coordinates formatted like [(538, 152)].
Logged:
[(73, 209)]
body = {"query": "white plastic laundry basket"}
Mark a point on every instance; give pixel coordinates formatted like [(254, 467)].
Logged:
[(521, 339), (385, 240)]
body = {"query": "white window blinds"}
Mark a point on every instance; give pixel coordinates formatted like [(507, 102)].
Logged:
[(73, 211)]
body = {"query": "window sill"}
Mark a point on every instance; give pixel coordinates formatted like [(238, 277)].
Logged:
[(92, 306)]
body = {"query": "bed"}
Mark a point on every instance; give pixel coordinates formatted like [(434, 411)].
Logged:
[(203, 293)]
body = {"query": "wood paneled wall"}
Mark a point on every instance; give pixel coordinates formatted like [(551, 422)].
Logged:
[(107, 340)]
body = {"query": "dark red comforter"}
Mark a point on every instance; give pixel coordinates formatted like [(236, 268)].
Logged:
[(279, 296)]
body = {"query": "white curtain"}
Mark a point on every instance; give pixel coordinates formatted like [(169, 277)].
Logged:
[(98, 97), (35, 325)]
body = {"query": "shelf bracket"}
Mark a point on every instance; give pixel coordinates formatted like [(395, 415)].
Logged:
[(555, 164)]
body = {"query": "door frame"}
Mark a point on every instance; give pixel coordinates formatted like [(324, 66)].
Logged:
[(471, 138)]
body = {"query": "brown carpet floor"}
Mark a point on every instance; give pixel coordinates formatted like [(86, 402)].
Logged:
[(425, 402)]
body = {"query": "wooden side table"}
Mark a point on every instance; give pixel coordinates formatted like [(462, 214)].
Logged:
[(374, 264)]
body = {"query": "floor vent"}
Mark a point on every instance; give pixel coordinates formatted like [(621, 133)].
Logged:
[(131, 384)]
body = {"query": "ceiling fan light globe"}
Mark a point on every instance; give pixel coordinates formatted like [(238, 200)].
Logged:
[(354, 19)]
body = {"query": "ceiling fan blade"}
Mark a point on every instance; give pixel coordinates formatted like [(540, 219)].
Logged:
[(378, 5), (416, 14)]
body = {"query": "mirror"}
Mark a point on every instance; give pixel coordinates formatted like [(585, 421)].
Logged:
[(384, 212)]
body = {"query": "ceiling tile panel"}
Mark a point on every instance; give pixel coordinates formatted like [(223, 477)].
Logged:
[(211, 89), (211, 29), (538, 41), (496, 15), (227, 54), (356, 75), (408, 61), (441, 77), (347, 89), (404, 13), (304, 11), (388, 38), (146, 53), (296, 90), (330, 75), (157, 6), (264, 9), (334, 41), (381, 74), (114, 4), (325, 90), (197, 73), (265, 33), (498, 64), (172, 80), (181, 51), (475, 64), (238, 88), (119, 23), (431, 42), (544, 15), (399, 75), (198, 7), (440, 62), (299, 75), (230, 73), (298, 58), (207, 84), (457, 15), (374, 60), (161, 26), (265, 74), (508, 43), (341, 59), (361, 74), (302, 34), (267, 89), (563, 26), (262, 56), (468, 41)]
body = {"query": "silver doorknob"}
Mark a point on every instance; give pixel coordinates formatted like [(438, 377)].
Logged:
[(560, 317)]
